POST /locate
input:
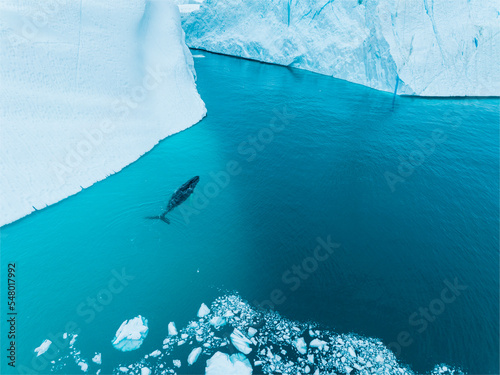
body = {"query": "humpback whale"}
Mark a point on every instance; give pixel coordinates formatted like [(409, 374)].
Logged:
[(178, 197)]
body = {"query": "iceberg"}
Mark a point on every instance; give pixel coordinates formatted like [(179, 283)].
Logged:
[(131, 334), (426, 48), (97, 358), (221, 363), (241, 342), (203, 311), (87, 88), (172, 330), (193, 356), (83, 366), (300, 345), (217, 322), (156, 353), (43, 348)]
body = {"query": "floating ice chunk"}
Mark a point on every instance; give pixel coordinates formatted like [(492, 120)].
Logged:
[(221, 363), (251, 332), (300, 345), (156, 353), (83, 366), (351, 351), (218, 321), (177, 363), (172, 330), (241, 342), (203, 311), (73, 339), (145, 371), (43, 348), (65, 335), (317, 343), (123, 369), (97, 358), (193, 356), (131, 334)]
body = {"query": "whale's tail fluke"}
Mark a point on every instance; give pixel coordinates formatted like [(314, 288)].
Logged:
[(161, 217)]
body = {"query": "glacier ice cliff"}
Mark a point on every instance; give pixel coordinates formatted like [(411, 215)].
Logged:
[(422, 47), (87, 88)]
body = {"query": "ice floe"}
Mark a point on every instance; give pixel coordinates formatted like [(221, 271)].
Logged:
[(222, 363), (241, 342), (43, 348), (172, 330), (97, 358), (203, 311), (193, 356), (131, 334)]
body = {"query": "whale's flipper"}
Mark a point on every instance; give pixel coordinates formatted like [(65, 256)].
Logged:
[(162, 218)]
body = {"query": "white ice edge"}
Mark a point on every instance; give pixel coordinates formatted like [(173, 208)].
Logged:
[(83, 97), (444, 48)]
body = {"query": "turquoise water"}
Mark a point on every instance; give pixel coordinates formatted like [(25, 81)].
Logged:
[(335, 165)]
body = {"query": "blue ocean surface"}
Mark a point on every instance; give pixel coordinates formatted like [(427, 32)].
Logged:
[(408, 193)]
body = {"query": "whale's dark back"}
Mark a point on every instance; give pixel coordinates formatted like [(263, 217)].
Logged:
[(182, 193)]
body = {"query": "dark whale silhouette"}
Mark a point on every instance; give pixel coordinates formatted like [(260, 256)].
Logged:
[(179, 197)]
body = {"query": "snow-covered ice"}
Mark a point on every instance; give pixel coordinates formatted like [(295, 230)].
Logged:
[(43, 348), (300, 345), (434, 48), (218, 321), (156, 353), (172, 330), (87, 88), (204, 310), (83, 366), (241, 342), (97, 358), (222, 363), (131, 334), (193, 356)]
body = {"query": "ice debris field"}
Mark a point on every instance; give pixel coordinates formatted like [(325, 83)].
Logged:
[(233, 338)]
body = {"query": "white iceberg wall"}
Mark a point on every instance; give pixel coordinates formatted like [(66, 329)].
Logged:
[(446, 48), (87, 88)]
